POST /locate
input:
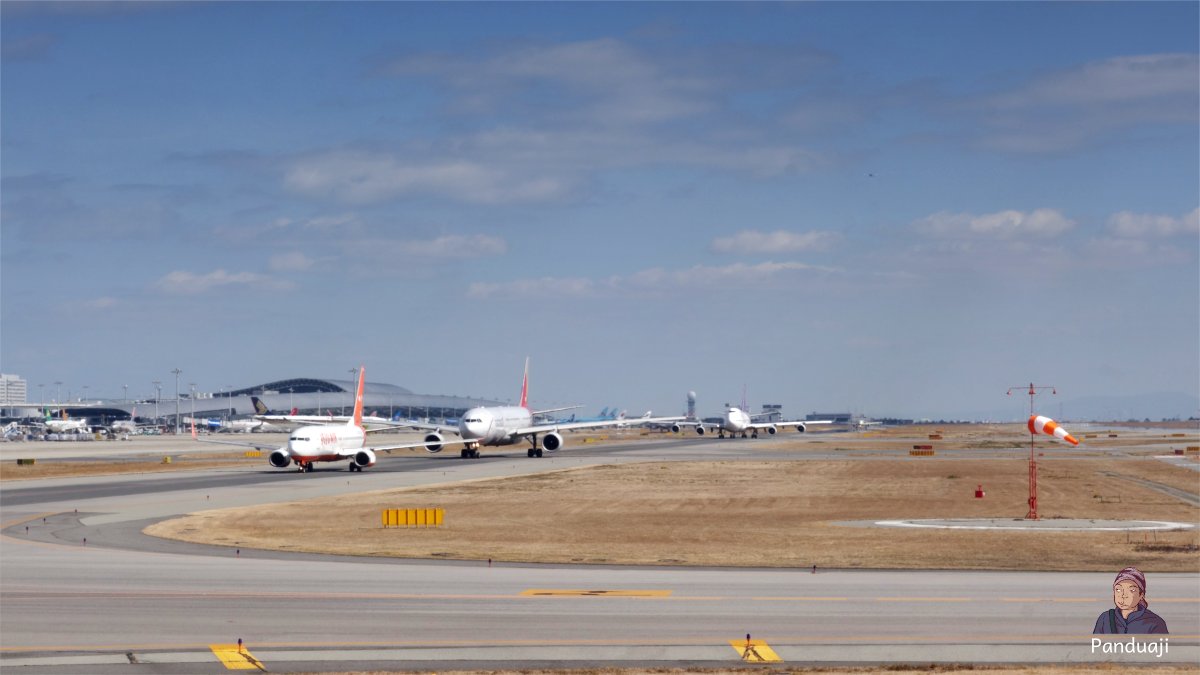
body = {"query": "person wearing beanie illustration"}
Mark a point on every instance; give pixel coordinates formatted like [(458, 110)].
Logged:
[(1131, 614)]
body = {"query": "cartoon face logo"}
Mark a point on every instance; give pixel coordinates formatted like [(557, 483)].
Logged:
[(1131, 612), (1127, 596)]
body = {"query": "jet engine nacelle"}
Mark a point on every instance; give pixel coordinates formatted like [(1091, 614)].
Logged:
[(364, 457), (771, 430), (700, 429), (552, 441), (675, 428), (436, 441), (800, 428), (280, 459)]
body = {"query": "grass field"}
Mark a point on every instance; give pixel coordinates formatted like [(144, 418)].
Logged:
[(746, 513)]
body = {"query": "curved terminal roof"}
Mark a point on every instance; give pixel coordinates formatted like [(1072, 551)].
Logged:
[(309, 385)]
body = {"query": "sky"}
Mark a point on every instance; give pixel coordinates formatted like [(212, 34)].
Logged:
[(895, 209)]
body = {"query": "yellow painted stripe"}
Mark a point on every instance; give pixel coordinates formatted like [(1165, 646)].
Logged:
[(755, 651), (235, 659), (904, 599), (559, 592)]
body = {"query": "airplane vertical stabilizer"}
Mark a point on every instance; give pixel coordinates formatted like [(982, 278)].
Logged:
[(358, 398), (525, 386)]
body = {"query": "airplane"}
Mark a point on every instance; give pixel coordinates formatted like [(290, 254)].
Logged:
[(507, 425), (325, 442), (737, 421), (65, 425), (264, 414), (129, 426)]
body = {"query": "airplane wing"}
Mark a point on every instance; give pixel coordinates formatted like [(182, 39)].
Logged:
[(303, 419), (543, 428), (794, 423), (256, 446), (391, 425), (550, 410)]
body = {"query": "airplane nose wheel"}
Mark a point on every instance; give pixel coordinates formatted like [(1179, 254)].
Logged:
[(534, 452)]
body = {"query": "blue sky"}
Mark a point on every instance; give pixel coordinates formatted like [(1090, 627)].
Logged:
[(893, 208)]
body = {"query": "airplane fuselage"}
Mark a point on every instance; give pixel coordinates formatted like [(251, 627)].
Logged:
[(736, 420), (324, 443), (494, 425)]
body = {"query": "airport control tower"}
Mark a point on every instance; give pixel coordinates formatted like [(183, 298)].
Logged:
[(691, 405)]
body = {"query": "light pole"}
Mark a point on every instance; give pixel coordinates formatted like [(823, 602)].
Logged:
[(125, 396), (352, 393), (177, 372), (157, 395), (291, 401), (41, 394), (192, 386), (84, 394), (229, 402), (57, 391)]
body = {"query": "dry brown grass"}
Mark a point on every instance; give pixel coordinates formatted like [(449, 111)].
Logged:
[(1052, 669), (743, 513), (11, 471)]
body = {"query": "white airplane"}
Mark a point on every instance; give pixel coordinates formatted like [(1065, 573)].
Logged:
[(506, 425), (326, 442), (66, 425), (737, 421)]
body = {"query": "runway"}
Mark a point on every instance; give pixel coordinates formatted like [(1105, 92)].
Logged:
[(123, 602)]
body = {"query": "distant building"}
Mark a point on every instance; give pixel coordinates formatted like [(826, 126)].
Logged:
[(837, 418), (773, 412), (13, 390)]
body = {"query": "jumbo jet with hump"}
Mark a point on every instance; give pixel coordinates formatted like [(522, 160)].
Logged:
[(507, 425), (737, 421), (326, 442)]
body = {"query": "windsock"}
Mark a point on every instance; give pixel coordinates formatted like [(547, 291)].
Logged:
[(1045, 425)]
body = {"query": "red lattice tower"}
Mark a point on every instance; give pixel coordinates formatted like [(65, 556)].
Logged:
[(1033, 390)]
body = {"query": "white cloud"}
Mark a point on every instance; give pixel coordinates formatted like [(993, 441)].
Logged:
[(294, 261), (1140, 225), (1138, 78), (604, 81), (779, 241), (735, 277), (180, 282), (1073, 107), (366, 177), (446, 247), (101, 303), (1010, 224)]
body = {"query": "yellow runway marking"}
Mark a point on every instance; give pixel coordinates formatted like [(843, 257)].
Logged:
[(237, 659), (558, 592), (755, 651)]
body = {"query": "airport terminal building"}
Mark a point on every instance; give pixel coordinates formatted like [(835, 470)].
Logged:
[(306, 395)]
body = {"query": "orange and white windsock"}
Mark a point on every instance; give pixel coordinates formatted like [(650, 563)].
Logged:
[(1045, 425)]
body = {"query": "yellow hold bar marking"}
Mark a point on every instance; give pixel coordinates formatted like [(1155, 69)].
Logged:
[(235, 659), (561, 592), (755, 651)]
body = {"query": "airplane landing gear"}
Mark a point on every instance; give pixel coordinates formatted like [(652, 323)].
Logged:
[(534, 452), (470, 452)]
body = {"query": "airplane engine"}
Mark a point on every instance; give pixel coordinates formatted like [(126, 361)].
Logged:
[(700, 429), (771, 430), (436, 439), (364, 458), (800, 428), (552, 441), (675, 428), (280, 459)]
